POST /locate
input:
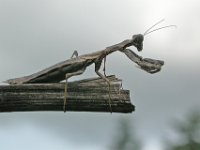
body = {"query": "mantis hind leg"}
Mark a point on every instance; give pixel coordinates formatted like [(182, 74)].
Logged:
[(67, 76), (65, 96), (97, 67), (75, 53)]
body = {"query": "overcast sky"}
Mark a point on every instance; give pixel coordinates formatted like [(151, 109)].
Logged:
[(35, 34)]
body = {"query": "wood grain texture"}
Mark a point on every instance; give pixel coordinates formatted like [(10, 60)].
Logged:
[(84, 95)]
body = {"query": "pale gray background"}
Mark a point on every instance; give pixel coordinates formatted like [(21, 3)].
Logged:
[(35, 34)]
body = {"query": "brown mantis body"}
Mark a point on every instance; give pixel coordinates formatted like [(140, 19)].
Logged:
[(76, 66), (57, 72)]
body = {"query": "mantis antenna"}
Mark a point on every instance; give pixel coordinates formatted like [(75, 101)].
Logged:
[(148, 30)]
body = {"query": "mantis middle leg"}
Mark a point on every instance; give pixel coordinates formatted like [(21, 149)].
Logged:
[(67, 76), (97, 67)]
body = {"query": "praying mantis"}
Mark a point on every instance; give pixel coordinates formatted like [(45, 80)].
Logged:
[(78, 64)]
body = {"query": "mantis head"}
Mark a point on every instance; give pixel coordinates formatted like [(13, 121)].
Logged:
[(147, 64), (137, 41)]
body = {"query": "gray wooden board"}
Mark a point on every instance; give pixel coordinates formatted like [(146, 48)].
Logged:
[(84, 95)]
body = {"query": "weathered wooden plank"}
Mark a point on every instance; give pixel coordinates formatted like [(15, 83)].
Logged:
[(84, 95)]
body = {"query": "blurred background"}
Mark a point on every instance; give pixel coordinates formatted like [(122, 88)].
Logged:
[(35, 34)]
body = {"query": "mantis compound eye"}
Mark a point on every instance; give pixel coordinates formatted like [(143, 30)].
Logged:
[(138, 41)]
